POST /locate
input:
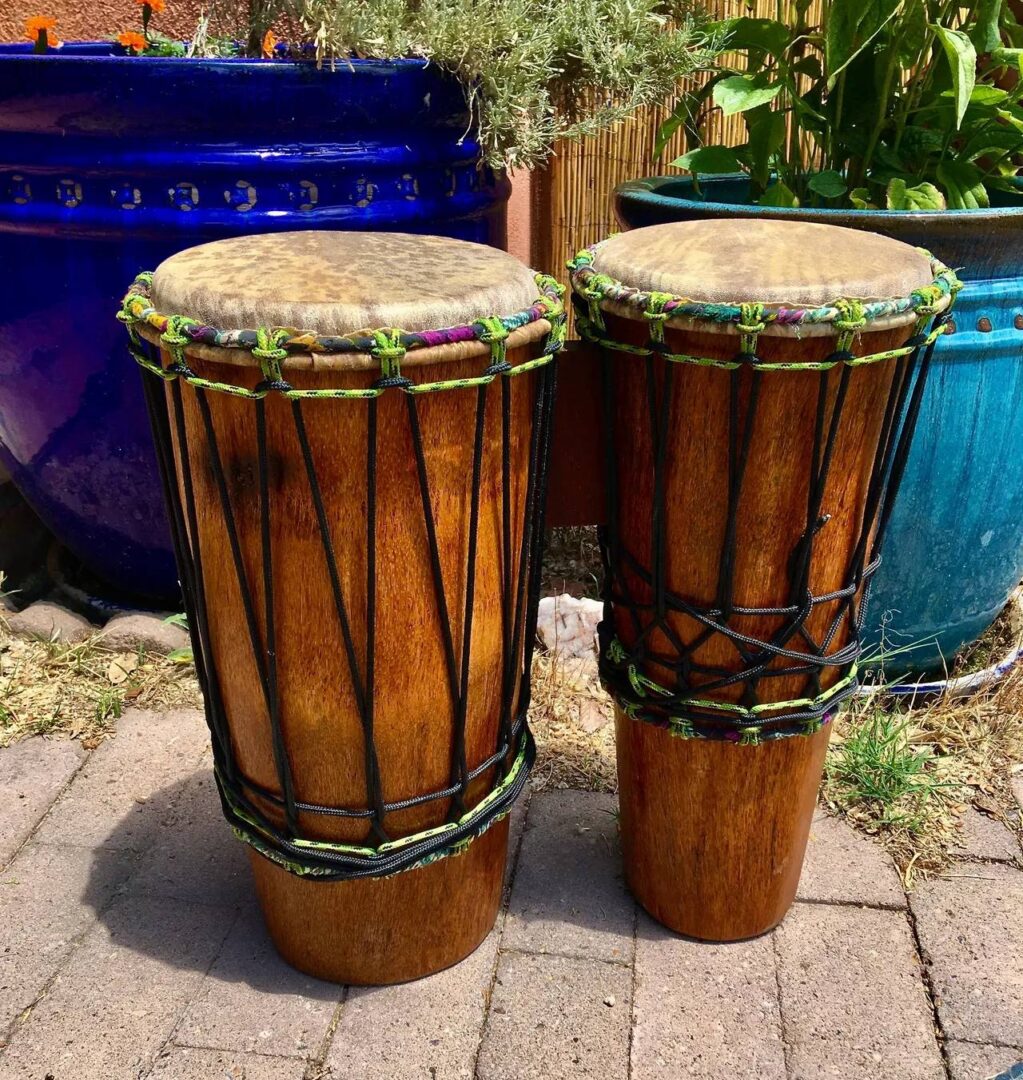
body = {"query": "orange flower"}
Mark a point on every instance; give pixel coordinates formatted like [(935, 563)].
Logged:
[(39, 29), (132, 41), (269, 44), (156, 6)]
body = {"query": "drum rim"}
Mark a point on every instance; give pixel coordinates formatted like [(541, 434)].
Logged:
[(366, 350), (605, 293)]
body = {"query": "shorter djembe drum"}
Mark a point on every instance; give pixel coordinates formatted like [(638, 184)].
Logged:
[(760, 385), (357, 515)]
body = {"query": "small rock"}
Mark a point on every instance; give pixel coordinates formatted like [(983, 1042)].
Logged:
[(50, 622), (125, 633), (593, 716), (568, 626), (609, 1001)]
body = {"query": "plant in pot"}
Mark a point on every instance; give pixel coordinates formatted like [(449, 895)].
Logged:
[(383, 114), (905, 118)]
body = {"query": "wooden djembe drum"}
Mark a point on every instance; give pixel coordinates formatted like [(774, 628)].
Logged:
[(760, 385), (357, 514)]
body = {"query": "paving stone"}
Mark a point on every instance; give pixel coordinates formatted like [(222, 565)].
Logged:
[(844, 866), (424, 1030), (557, 1017), (50, 622), (107, 804), (252, 1001), (33, 773), (189, 1063), (971, 930), (516, 827), (128, 632), (704, 1010), (978, 1061), (984, 837), (569, 896), (116, 1002), (192, 854), (852, 997), (49, 897)]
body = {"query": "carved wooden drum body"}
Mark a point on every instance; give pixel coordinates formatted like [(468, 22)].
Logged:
[(357, 514), (760, 385)]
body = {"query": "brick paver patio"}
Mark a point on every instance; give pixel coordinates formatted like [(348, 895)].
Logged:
[(130, 947)]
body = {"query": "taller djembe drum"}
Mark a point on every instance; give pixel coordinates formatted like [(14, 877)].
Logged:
[(761, 381), (357, 514)]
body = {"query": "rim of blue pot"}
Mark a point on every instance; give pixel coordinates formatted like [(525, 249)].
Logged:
[(108, 52), (651, 190)]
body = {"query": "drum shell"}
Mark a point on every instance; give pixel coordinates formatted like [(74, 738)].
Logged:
[(773, 504), (714, 833), (357, 931)]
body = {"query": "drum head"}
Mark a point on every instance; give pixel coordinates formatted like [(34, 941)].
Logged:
[(791, 263), (342, 282)]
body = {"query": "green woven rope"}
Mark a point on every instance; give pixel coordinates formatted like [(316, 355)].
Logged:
[(386, 345)]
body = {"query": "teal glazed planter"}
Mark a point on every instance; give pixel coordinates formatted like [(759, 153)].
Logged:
[(954, 549), (109, 164)]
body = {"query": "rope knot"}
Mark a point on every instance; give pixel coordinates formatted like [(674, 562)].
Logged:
[(388, 351)]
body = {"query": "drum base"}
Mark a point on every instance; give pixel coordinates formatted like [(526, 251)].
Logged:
[(375, 931), (713, 834)]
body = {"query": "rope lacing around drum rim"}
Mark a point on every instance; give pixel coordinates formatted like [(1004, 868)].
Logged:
[(592, 290), (271, 346)]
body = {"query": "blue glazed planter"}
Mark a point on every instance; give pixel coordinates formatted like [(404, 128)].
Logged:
[(108, 164), (954, 550)]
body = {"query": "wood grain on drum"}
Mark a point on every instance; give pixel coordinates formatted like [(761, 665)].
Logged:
[(371, 930)]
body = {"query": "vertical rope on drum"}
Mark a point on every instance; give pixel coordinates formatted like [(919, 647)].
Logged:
[(155, 394), (507, 602), (374, 790), (436, 569), (280, 754), (269, 623), (545, 391), (460, 767), (215, 705), (898, 394), (327, 544)]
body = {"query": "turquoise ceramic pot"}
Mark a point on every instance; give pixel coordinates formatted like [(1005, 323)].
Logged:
[(954, 550)]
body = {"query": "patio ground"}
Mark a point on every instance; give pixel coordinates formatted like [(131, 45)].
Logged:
[(130, 947)]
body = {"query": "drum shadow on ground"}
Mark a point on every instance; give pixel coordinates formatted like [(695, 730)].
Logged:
[(173, 859)]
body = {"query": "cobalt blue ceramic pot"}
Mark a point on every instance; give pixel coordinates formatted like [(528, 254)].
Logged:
[(110, 163), (954, 550)]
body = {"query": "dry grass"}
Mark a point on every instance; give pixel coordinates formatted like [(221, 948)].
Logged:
[(905, 774), (571, 562), (78, 691), (567, 699)]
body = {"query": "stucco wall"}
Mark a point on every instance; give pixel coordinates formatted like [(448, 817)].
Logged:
[(81, 20)]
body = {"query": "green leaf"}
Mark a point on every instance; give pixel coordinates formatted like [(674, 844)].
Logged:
[(778, 194), (766, 127), (830, 184), (962, 59), (740, 93), (759, 35), (1009, 58), (964, 185), (860, 198), (985, 33), (921, 197), (851, 25), (712, 160)]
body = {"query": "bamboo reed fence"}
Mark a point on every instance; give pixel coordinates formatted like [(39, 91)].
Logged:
[(571, 196)]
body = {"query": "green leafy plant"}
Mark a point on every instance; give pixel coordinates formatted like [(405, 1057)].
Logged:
[(534, 71), (895, 104)]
